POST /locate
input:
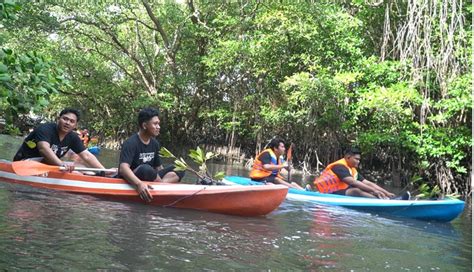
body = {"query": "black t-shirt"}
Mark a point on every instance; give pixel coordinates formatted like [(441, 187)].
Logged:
[(135, 152), (342, 172), (48, 133)]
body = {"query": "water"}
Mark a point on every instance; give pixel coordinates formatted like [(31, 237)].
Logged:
[(48, 230)]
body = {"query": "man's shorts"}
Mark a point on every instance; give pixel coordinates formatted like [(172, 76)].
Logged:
[(146, 172), (269, 179), (342, 192)]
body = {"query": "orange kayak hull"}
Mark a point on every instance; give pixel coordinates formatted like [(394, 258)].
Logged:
[(232, 200)]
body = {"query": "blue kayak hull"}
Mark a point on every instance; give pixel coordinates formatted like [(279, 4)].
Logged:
[(432, 210)]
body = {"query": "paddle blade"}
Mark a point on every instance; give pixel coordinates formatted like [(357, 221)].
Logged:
[(289, 154), (289, 157), (32, 168)]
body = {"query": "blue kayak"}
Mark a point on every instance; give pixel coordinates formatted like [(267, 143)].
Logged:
[(94, 150), (432, 210)]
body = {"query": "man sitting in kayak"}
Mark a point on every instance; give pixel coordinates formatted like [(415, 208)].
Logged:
[(84, 136), (267, 165), (49, 142), (341, 178), (140, 159)]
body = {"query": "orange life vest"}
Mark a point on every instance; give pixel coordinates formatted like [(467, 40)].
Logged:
[(329, 182), (84, 138), (258, 172)]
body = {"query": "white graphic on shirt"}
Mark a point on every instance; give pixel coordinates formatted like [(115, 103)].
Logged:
[(64, 149), (146, 157), (54, 148)]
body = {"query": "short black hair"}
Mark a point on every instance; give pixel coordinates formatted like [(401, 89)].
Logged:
[(147, 114), (71, 110), (275, 142), (351, 151)]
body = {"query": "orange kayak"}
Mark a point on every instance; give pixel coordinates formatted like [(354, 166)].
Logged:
[(232, 200)]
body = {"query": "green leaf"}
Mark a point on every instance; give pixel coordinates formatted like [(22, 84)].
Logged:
[(200, 153), (7, 51), (219, 175), (180, 165), (3, 68), (5, 77), (420, 195), (38, 67), (196, 156), (165, 153)]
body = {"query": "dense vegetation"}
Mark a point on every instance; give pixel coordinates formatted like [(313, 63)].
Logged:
[(392, 77)]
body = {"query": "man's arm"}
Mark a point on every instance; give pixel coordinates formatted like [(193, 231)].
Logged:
[(267, 165), (44, 148), (272, 167), (363, 186), (376, 187), (90, 159), (143, 189)]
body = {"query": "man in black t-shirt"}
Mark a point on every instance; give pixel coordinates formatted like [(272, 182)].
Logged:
[(49, 142), (140, 159)]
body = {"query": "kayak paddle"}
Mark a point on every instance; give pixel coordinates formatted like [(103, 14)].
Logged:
[(31, 168), (289, 158)]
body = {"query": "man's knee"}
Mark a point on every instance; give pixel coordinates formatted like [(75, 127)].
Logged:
[(169, 174), (171, 177), (145, 172)]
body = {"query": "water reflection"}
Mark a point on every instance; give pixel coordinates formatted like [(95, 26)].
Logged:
[(189, 236)]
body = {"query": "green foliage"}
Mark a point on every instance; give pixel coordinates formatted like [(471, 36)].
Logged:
[(26, 83), (181, 165), (219, 175), (200, 157), (8, 8), (26, 79), (12, 130), (458, 101), (235, 73), (165, 153), (447, 144), (432, 192), (426, 192)]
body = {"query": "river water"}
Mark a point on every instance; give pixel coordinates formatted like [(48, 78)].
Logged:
[(49, 230)]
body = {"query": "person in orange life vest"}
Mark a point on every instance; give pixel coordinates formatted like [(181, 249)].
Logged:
[(341, 178), (85, 137), (268, 164)]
